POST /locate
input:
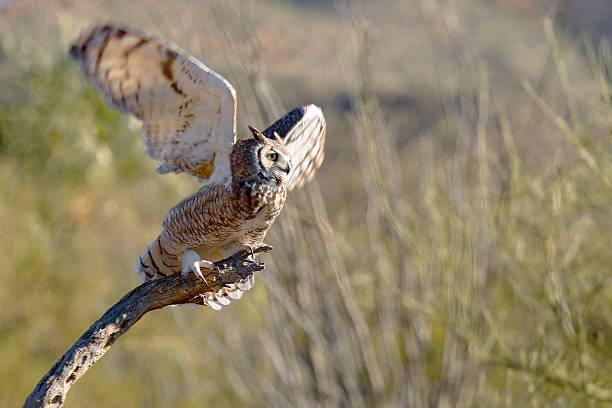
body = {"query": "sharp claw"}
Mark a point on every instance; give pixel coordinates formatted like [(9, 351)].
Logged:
[(198, 272), (192, 263), (264, 248)]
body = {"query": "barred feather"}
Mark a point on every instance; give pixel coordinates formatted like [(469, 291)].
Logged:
[(303, 131), (188, 110)]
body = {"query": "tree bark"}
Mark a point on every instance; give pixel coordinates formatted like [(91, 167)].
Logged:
[(174, 290)]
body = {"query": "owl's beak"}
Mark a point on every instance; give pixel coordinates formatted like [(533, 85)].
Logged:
[(281, 172)]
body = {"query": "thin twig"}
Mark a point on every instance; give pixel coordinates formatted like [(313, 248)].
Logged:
[(174, 290)]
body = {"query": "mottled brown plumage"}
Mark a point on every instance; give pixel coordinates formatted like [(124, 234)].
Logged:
[(189, 125)]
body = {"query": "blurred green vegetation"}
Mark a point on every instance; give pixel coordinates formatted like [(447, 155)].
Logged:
[(454, 249)]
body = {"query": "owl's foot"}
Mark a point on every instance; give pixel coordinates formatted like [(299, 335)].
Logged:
[(193, 263), (197, 266)]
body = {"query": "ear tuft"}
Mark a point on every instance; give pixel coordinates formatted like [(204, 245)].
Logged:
[(257, 135), (278, 138)]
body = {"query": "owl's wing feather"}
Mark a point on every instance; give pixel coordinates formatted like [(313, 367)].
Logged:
[(188, 111), (303, 132)]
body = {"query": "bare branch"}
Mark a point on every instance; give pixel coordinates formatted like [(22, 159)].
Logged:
[(174, 290)]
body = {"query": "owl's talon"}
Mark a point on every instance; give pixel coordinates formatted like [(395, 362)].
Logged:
[(197, 272), (197, 265), (264, 248), (196, 268), (249, 250)]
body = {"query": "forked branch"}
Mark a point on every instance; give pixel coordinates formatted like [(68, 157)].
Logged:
[(174, 290)]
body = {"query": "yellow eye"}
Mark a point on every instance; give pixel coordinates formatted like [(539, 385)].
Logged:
[(272, 156)]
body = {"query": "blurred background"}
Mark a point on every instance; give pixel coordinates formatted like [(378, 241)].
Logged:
[(454, 249)]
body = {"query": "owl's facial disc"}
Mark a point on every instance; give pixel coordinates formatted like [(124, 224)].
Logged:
[(277, 164)]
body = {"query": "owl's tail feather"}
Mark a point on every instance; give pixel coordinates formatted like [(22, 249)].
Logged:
[(155, 262), (229, 292)]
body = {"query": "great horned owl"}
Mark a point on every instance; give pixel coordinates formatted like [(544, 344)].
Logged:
[(189, 125)]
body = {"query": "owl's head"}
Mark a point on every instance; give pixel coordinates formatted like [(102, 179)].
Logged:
[(261, 157)]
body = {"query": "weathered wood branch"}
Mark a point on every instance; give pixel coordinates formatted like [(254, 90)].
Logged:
[(90, 347)]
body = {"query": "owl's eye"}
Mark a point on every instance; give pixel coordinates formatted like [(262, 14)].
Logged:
[(272, 156)]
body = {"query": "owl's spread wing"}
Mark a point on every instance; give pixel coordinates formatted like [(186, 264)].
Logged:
[(188, 111), (303, 131)]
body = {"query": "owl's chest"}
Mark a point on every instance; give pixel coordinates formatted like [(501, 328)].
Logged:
[(264, 206), (252, 214)]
